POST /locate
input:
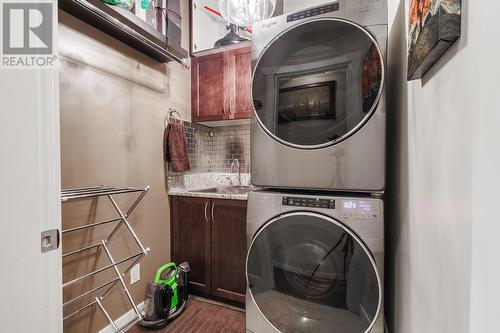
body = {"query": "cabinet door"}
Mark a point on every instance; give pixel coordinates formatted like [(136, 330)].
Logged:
[(209, 87), (191, 239), (229, 249), (240, 77)]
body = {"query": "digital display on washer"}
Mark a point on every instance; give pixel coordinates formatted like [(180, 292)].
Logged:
[(360, 208), (309, 202)]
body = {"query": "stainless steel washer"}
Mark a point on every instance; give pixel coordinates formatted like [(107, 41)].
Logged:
[(315, 263), (319, 98)]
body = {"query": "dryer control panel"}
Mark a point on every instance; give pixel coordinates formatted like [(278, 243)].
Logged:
[(313, 12), (309, 202)]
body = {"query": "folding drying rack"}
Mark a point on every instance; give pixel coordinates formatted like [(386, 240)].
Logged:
[(108, 191)]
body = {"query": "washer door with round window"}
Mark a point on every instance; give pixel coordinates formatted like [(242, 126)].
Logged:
[(318, 83), (309, 273)]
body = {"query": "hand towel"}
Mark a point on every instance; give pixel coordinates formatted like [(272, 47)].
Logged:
[(175, 148)]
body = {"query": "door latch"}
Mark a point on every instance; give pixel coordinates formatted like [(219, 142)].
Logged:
[(49, 240)]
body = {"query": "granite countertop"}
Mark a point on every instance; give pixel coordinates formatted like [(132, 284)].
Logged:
[(189, 185), (193, 193)]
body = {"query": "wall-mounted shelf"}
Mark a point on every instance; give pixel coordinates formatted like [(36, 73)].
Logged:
[(126, 27), (121, 220)]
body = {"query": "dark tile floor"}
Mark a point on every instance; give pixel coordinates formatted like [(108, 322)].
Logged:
[(203, 317)]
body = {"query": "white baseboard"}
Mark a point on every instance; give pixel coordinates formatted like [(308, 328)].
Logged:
[(123, 320)]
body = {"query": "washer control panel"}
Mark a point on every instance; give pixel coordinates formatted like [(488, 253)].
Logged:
[(308, 202), (313, 12), (362, 209)]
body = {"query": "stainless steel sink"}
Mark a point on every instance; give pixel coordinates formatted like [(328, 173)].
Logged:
[(226, 189)]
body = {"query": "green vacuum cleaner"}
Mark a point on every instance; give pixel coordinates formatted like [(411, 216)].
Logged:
[(166, 296)]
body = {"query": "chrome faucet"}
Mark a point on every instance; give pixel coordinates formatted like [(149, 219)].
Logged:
[(236, 163)]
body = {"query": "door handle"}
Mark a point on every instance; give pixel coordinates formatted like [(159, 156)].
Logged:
[(224, 106), (49, 240), (212, 214), (206, 212)]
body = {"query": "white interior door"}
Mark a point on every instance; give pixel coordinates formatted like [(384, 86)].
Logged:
[(30, 283)]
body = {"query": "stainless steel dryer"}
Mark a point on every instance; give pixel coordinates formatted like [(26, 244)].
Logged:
[(318, 91), (314, 264)]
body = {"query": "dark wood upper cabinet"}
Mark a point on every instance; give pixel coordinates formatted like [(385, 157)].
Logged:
[(241, 84), (208, 87), (210, 234), (191, 239), (229, 249), (221, 86)]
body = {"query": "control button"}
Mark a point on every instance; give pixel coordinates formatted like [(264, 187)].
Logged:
[(309, 202)]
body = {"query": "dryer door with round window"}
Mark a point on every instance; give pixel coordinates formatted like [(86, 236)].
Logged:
[(317, 83), (309, 273)]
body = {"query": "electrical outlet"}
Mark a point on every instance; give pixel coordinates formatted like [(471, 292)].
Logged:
[(135, 274)]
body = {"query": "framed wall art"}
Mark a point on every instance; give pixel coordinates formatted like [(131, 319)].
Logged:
[(434, 25)]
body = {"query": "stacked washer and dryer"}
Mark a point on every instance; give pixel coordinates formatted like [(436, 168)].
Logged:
[(315, 258)]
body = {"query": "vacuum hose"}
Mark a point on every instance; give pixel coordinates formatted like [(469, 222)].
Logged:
[(184, 269), (177, 312), (162, 302)]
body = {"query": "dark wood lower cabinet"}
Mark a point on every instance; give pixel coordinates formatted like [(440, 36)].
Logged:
[(191, 240), (210, 234), (229, 249)]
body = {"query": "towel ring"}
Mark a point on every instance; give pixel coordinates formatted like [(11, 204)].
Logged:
[(168, 119)]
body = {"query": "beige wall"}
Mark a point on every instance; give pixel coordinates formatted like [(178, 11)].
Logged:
[(429, 190), (444, 144), (113, 102)]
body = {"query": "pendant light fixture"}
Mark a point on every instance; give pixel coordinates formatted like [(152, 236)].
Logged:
[(244, 13)]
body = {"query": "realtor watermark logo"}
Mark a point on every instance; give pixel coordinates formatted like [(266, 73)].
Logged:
[(27, 37)]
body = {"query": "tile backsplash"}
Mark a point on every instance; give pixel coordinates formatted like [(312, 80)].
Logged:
[(229, 143), (199, 143), (213, 149)]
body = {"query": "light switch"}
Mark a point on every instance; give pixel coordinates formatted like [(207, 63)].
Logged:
[(135, 274)]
